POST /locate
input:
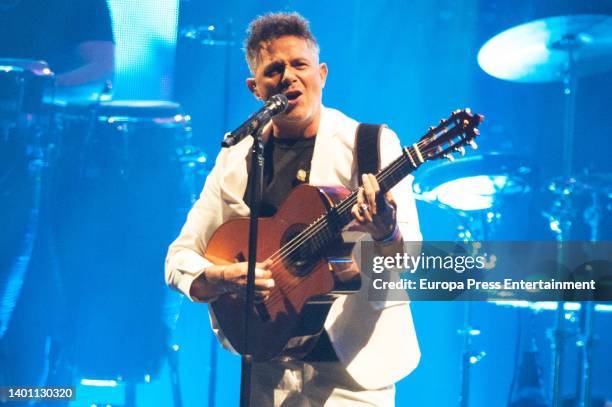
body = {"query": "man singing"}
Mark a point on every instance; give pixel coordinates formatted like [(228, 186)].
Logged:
[(366, 346)]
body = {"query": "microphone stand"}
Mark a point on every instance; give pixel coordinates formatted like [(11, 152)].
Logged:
[(256, 172)]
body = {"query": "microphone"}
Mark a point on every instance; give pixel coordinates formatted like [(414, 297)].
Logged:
[(275, 105)]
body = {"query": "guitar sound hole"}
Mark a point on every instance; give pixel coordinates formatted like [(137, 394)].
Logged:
[(300, 261)]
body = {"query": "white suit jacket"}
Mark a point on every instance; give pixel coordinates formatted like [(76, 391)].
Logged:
[(375, 341)]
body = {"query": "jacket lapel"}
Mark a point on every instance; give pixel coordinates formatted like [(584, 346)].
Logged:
[(234, 179), (331, 160)]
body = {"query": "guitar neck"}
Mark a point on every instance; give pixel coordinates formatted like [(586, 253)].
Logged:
[(327, 228), (440, 141)]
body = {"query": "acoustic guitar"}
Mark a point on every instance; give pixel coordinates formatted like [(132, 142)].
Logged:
[(297, 241)]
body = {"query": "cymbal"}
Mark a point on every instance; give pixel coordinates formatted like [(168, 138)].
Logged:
[(539, 51)]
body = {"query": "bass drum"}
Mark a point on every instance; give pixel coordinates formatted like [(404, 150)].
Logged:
[(119, 198)]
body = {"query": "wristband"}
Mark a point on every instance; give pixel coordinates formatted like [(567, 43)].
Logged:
[(392, 236)]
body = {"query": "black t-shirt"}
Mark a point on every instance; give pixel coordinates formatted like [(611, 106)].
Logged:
[(287, 164), (51, 29)]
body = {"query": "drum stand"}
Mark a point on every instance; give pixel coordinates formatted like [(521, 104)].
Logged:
[(592, 216), (585, 341), (559, 334), (585, 337), (469, 356), (36, 154)]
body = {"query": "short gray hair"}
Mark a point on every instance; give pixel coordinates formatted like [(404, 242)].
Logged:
[(271, 26)]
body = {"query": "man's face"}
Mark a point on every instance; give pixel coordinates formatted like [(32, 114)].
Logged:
[(290, 65)]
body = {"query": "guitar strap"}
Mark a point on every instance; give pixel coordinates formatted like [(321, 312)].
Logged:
[(367, 146)]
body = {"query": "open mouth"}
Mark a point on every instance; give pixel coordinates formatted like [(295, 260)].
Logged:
[(293, 95)]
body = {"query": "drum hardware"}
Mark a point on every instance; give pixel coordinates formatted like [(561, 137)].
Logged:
[(27, 152), (585, 344), (591, 191), (208, 35), (469, 356), (26, 147), (528, 389), (567, 192), (475, 183), (25, 86), (174, 375), (556, 49), (194, 164), (543, 50), (476, 189)]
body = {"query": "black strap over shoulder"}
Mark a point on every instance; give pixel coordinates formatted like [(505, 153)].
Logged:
[(367, 142)]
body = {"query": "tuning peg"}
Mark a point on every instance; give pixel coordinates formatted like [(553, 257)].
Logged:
[(450, 157), (473, 144), (461, 150)]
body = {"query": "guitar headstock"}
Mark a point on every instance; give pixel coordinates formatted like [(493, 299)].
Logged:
[(451, 135)]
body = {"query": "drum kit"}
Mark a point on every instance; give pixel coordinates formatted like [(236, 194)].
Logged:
[(559, 49), (106, 186)]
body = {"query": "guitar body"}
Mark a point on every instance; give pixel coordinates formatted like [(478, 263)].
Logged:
[(275, 321)]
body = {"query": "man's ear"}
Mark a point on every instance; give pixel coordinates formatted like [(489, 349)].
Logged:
[(250, 82), (323, 73)]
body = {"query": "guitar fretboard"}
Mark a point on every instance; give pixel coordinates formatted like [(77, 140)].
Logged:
[(321, 233)]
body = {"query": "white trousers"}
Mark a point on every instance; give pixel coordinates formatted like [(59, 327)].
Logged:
[(293, 383)]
